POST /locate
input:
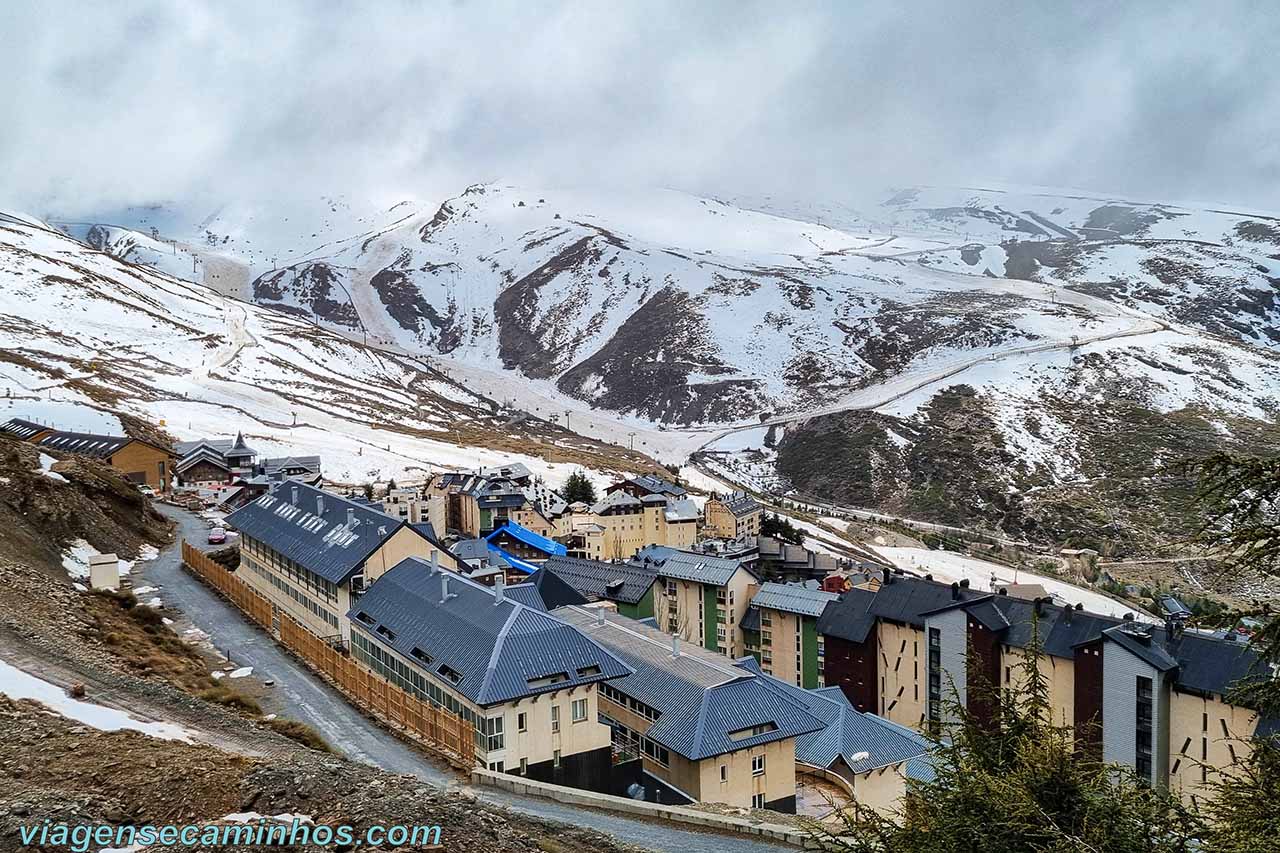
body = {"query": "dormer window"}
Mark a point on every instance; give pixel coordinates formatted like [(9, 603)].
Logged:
[(365, 618), (450, 673), (386, 632)]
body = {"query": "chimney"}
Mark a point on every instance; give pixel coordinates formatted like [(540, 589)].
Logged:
[(435, 563), (319, 504), (599, 615), (295, 496), (1038, 604), (1066, 613), (444, 587), (888, 576), (351, 517), (675, 645), (964, 583), (955, 592), (499, 588)]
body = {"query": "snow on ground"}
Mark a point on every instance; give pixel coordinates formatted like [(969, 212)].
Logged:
[(22, 685), (242, 672), (46, 468), (76, 559), (951, 568)]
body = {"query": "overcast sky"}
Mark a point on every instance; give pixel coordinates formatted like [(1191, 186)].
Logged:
[(104, 104)]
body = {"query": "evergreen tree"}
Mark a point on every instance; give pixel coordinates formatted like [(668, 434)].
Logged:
[(579, 489), (367, 488), (778, 527)]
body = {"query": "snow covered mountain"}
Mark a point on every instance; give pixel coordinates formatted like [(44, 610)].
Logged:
[(687, 310), (1048, 321), (86, 338)]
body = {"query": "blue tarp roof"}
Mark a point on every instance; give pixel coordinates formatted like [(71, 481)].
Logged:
[(528, 537)]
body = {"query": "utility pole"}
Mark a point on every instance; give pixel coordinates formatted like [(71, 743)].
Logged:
[(632, 435), (566, 418)]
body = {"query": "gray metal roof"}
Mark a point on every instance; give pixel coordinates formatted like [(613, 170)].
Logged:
[(739, 503), (625, 583), (89, 444), (689, 565), (333, 541), (682, 510), (500, 649), (288, 463), (653, 485), (615, 500), (23, 429), (793, 598), (845, 730), (219, 445), (707, 706)]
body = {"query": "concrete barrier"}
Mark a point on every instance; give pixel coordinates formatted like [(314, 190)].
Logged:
[(624, 805)]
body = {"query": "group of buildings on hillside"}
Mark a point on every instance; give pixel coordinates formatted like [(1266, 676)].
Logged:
[(682, 676), (226, 470), (639, 646)]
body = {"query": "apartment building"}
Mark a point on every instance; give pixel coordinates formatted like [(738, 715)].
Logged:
[(688, 725), (869, 757), (733, 515), (618, 526), (312, 553), (527, 681), (1150, 697), (780, 630), (700, 597)]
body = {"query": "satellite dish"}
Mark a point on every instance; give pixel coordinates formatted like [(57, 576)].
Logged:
[(860, 756), (635, 791)]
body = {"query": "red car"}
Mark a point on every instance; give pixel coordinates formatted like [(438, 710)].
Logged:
[(217, 536)]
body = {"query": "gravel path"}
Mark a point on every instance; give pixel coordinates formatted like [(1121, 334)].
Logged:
[(301, 696)]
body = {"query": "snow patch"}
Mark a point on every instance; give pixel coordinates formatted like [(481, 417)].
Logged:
[(22, 685)]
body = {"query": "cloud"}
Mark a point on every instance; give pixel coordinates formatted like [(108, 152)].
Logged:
[(120, 103)]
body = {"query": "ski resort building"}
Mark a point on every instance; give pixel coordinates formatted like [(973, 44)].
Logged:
[(733, 515), (618, 526), (690, 726), (780, 630), (141, 462), (1151, 697), (528, 682), (312, 553), (701, 598)]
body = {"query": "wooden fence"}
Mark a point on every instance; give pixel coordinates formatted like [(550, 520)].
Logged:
[(437, 728)]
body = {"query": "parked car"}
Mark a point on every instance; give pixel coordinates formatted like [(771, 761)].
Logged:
[(217, 536), (147, 490)]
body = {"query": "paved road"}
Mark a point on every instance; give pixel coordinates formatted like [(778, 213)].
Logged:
[(300, 695)]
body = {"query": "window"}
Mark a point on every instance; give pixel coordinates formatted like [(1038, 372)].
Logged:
[(1143, 735), (493, 727), (757, 765), (579, 710), (935, 677), (522, 722), (555, 718), (524, 766), (555, 759), (757, 801), (724, 773)]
